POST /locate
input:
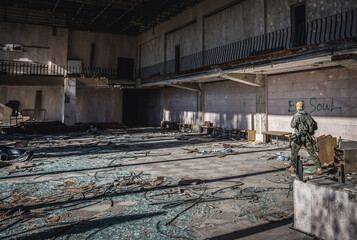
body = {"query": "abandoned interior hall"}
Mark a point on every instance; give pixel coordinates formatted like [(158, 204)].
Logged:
[(189, 119)]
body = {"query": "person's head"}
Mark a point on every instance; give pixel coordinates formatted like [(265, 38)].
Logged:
[(299, 106)]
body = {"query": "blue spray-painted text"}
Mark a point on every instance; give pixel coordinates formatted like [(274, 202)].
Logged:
[(315, 106)]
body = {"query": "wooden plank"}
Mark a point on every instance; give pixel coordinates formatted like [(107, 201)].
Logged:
[(326, 149), (350, 157), (251, 135), (38, 101), (268, 134)]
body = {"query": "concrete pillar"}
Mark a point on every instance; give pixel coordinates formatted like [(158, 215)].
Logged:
[(163, 103), (200, 107), (3, 95), (69, 102), (261, 113)]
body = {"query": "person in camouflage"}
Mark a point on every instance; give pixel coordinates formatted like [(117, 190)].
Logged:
[(305, 127)]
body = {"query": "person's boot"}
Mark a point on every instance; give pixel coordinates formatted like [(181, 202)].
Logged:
[(319, 171), (291, 169)]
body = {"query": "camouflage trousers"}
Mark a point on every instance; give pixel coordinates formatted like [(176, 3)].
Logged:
[(310, 147)]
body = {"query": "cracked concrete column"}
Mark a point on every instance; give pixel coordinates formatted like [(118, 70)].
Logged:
[(261, 110)]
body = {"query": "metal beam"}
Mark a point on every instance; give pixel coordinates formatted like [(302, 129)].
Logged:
[(79, 9), (191, 87), (348, 61), (101, 12), (126, 12), (249, 79), (55, 7)]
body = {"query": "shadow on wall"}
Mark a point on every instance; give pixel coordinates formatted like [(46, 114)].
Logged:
[(227, 120), (231, 120), (187, 117)]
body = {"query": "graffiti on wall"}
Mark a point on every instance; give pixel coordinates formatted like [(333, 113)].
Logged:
[(315, 105)]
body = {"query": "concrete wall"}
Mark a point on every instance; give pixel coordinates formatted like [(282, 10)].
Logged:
[(318, 9), (230, 104), (226, 104), (86, 104), (42, 46), (52, 99), (181, 106), (190, 36), (220, 22), (235, 23), (279, 11), (330, 97), (186, 38), (108, 47), (152, 51), (98, 104), (325, 209)]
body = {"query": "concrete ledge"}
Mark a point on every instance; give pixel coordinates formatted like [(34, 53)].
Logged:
[(90, 82), (325, 209), (7, 80)]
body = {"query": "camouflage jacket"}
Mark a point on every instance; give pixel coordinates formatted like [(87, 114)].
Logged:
[(303, 123)]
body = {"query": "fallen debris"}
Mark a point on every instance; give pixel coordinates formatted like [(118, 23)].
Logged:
[(190, 150), (84, 186), (225, 145), (310, 170), (227, 150), (21, 144), (14, 155), (189, 181)]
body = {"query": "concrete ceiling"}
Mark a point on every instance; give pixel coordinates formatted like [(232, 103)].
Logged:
[(111, 16)]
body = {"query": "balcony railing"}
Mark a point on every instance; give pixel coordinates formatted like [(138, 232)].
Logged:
[(20, 68), (323, 30)]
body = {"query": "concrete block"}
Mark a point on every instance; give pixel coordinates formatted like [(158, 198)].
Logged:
[(325, 209), (302, 208), (5, 113)]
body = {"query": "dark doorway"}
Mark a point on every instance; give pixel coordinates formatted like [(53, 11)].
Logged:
[(141, 107), (177, 58), (131, 99), (298, 23), (125, 68)]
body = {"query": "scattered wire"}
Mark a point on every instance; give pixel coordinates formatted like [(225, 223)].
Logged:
[(167, 234)]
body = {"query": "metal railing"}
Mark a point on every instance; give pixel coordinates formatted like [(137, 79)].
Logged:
[(20, 68), (335, 27)]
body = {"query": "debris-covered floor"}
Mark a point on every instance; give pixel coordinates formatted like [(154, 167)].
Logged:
[(145, 183)]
